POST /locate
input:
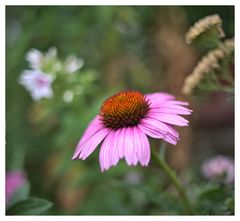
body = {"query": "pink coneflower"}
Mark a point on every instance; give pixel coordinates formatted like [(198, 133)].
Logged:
[(14, 180), (123, 124)]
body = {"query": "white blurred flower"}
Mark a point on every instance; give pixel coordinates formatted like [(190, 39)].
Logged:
[(51, 53), (219, 168), (37, 83), (34, 57), (68, 96), (73, 64)]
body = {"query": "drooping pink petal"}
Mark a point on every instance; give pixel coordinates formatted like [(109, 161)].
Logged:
[(159, 126), (114, 153), (171, 139), (157, 129), (120, 142), (154, 132), (152, 117), (115, 150), (90, 145), (173, 119), (142, 146), (107, 151), (151, 132), (129, 147), (94, 126)]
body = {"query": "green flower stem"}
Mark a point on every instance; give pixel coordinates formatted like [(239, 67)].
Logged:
[(172, 176)]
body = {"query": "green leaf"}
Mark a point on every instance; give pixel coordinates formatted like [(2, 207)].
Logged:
[(214, 193), (217, 200), (30, 206)]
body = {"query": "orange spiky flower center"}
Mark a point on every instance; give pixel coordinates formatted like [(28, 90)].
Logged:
[(124, 109)]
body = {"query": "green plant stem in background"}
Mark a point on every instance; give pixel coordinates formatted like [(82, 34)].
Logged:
[(172, 176)]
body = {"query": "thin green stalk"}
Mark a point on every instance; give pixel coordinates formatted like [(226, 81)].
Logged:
[(172, 176)]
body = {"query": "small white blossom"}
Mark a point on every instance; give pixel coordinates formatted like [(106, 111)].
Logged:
[(34, 57), (68, 96), (37, 83), (73, 64), (51, 53)]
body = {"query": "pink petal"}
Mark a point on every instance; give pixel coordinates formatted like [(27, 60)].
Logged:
[(151, 132), (171, 110), (142, 146), (107, 151), (94, 126), (90, 145), (159, 126), (152, 116), (167, 103), (172, 106), (114, 155), (171, 139), (129, 147), (159, 97), (120, 142), (157, 129), (169, 118), (175, 102), (152, 123)]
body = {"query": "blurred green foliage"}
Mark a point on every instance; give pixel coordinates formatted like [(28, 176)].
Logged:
[(41, 138)]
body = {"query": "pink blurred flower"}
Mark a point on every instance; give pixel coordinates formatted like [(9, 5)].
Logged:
[(123, 124), (219, 168), (14, 180), (37, 83)]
